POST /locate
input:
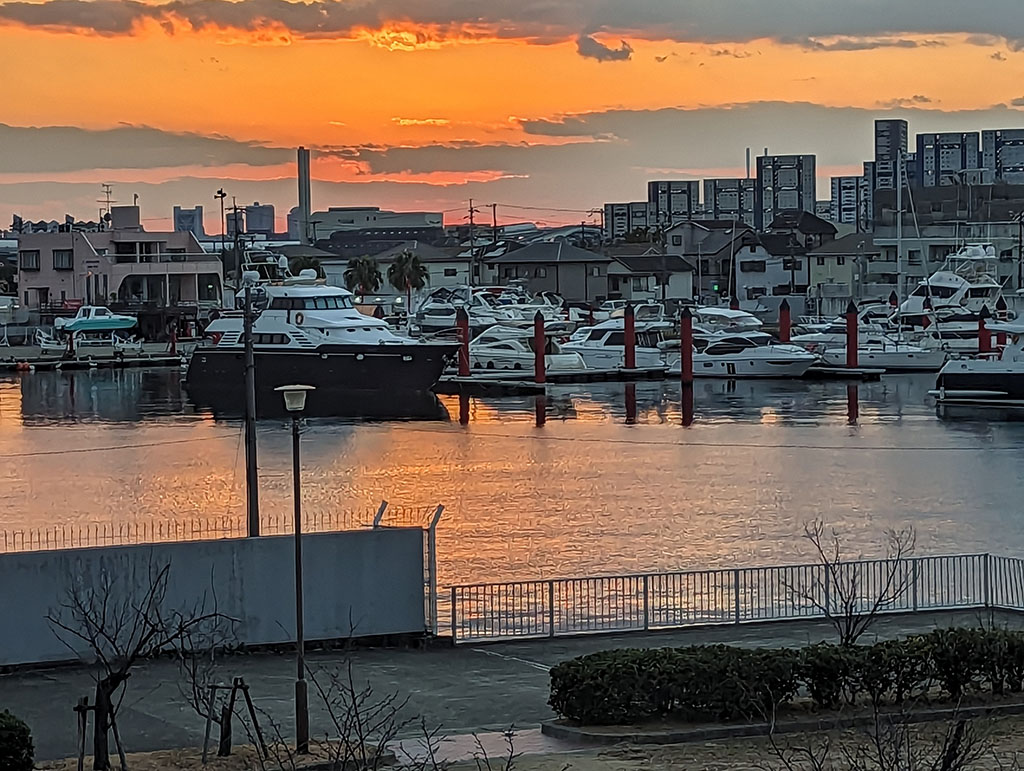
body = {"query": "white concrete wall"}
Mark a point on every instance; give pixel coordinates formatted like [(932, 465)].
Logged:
[(357, 584)]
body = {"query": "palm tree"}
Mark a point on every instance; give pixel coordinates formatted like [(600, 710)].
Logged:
[(362, 275), (407, 273), (303, 262)]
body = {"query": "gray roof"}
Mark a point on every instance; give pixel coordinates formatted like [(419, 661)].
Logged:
[(852, 244), (301, 250), (424, 251), (654, 263), (549, 252), (718, 241)]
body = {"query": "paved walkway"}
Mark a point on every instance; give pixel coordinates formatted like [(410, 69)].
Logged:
[(472, 688)]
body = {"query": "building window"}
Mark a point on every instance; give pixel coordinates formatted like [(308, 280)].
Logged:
[(450, 272), (506, 273), (840, 260), (753, 266), (540, 272), (821, 261), (792, 264), (638, 284), (63, 259), (753, 292), (677, 240), (29, 259), (595, 271)]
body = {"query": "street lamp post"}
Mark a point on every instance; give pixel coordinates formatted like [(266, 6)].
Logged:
[(295, 403), (221, 195)]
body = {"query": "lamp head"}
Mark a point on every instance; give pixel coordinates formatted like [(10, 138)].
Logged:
[(295, 396)]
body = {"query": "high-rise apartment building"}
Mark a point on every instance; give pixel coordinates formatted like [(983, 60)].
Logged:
[(783, 182), (730, 199)]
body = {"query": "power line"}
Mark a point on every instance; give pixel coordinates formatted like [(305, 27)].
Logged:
[(76, 450), (726, 445)]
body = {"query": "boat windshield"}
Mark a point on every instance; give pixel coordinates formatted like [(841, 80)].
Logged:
[(328, 303)]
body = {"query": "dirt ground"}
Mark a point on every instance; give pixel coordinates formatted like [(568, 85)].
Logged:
[(1003, 738)]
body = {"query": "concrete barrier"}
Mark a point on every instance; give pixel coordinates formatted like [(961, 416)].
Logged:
[(357, 584)]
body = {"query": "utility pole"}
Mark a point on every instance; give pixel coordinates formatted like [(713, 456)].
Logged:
[(252, 485), (494, 220), (472, 245)]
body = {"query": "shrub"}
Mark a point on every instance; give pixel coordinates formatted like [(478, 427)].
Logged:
[(16, 750), (720, 682), (699, 683), (958, 658), (825, 671)]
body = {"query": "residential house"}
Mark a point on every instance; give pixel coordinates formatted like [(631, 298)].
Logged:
[(810, 230), (938, 221), (710, 246), (159, 276), (837, 271), (577, 275), (646, 272)]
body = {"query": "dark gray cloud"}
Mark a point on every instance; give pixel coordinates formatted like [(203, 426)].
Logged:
[(906, 101), (862, 43), (65, 148), (998, 56), (1018, 102), (604, 156), (589, 48), (811, 22)]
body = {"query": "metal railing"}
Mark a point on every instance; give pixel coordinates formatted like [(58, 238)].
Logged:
[(653, 601), (200, 529)]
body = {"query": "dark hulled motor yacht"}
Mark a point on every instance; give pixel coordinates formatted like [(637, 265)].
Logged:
[(305, 332)]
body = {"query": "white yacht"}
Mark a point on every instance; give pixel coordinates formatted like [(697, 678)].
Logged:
[(966, 282), (503, 347), (722, 319), (884, 352), (603, 346), (308, 333), (740, 355), (438, 311), (996, 380)]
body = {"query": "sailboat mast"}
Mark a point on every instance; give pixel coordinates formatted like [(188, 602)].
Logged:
[(899, 228)]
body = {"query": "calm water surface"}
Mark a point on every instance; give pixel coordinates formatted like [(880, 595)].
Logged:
[(586, 493)]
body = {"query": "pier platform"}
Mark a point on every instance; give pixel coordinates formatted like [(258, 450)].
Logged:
[(863, 374), (78, 363)]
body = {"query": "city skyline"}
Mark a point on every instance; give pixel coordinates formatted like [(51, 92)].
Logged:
[(564, 106)]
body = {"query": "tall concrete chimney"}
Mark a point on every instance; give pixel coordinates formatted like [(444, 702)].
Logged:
[(304, 211)]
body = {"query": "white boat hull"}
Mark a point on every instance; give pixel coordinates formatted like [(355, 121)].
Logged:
[(895, 360), (496, 360), (741, 366), (613, 357)]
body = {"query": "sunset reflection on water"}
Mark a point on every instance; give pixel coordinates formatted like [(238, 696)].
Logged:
[(585, 494)]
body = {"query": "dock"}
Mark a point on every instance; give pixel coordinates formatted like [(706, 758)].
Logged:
[(863, 374), (80, 363), (522, 380)]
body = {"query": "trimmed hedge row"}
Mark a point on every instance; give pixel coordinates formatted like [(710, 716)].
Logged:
[(721, 682)]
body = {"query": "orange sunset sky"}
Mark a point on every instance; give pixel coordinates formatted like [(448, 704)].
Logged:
[(553, 104)]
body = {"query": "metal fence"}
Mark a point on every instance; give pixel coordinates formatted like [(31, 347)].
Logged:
[(573, 606), (201, 529)]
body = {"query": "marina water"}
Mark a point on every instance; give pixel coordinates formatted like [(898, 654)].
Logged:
[(586, 493)]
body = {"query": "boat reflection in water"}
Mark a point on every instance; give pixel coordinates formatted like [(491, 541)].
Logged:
[(229, 402)]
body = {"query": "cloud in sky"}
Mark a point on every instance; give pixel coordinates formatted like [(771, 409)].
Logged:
[(589, 48), (1018, 102), (821, 24), (600, 156), (906, 101), (65, 148)]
